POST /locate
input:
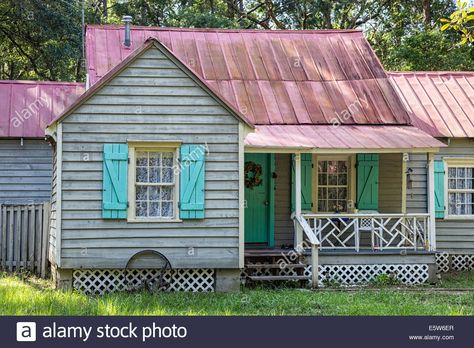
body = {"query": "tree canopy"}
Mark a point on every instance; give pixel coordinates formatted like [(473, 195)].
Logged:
[(42, 39)]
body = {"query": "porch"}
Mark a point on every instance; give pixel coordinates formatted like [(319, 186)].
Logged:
[(339, 211)]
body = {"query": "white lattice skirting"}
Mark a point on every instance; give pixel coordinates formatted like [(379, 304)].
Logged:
[(100, 281), (408, 274), (456, 262)]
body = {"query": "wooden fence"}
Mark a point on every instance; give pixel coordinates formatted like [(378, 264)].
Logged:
[(24, 232)]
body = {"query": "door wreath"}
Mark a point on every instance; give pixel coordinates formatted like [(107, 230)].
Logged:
[(253, 174)]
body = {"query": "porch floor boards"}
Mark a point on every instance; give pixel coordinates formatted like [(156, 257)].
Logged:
[(367, 252)]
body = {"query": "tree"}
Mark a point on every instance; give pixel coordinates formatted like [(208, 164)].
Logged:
[(461, 21), (42, 39)]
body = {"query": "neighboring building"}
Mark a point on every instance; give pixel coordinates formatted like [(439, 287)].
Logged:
[(26, 107), (280, 137), (442, 105)]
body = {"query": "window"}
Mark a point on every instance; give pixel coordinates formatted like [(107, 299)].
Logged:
[(460, 190), (332, 185), (154, 183)]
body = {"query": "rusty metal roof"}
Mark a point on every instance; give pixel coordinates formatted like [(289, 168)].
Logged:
[(271, 76), (26, 107), (439, 103), (354, 137)]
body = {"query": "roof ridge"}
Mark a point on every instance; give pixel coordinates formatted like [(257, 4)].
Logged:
[(226, 30)]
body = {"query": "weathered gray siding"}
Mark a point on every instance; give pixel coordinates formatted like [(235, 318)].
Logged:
[(284, 229), (417, 201), (25, 171), (52, 219), (390, 183), (456, 236), (152, 99)]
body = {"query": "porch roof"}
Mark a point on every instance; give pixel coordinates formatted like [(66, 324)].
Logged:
[(355, 138)]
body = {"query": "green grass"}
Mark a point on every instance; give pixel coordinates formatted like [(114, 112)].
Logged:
[(457, 280), (31, 296)]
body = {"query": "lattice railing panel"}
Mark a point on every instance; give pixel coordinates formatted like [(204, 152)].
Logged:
[(387, 231), (410, 274), (101, 281)]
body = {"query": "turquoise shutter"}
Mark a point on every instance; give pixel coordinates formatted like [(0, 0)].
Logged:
[(439, 188), (368, 181), (306, 181), (191, 192), (114, 181)]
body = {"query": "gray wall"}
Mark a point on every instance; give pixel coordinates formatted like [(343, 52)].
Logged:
[(284, 228), (152, 99), (455, 236), (25, 171), (52, 219), (390, 183), (417, 201)]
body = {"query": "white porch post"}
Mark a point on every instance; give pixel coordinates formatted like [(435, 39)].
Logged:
[(298, 230), (431, 204)]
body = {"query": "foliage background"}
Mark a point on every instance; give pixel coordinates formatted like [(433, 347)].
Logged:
[(42, 39)]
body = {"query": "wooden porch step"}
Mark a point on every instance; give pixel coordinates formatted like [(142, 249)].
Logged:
[(274, 265), (274, 278)]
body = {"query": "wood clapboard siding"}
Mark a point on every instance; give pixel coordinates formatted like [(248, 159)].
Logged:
[(52, 218), (284, 229), (25, 171), (390, 183), (417, 200), (152, 99), (456, 236)]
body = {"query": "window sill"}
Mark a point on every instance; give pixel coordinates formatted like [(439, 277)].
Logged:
[(458, 217), (135, 220)]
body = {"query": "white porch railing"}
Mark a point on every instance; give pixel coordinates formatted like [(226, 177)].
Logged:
[(371, 231)]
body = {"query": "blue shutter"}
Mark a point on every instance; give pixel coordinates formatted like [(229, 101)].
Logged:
[(191, 192), (114, 181), (306, 182), (439, 188), (368, 181)]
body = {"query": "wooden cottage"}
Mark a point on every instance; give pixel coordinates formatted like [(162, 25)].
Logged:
[(441, 104), (221, 154)]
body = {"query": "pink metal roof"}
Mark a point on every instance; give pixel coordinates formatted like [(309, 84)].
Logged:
[(439, 103), (26, 107), (340, 137), (272, 77)]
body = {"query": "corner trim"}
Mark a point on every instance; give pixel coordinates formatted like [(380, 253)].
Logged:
[(59, 198)]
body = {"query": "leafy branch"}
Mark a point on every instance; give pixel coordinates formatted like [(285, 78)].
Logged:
[(461, 21)]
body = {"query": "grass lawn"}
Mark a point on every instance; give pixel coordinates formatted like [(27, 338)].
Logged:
[(32, 296)]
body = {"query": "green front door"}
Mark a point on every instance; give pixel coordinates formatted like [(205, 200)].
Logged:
[(258, 200)]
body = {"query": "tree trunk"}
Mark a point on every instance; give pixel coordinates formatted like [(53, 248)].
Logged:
[(105, 11), (427, 12)]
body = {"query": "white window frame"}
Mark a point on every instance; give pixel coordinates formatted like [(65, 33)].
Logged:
[(350, 179), (455, 162), (151, 146)]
